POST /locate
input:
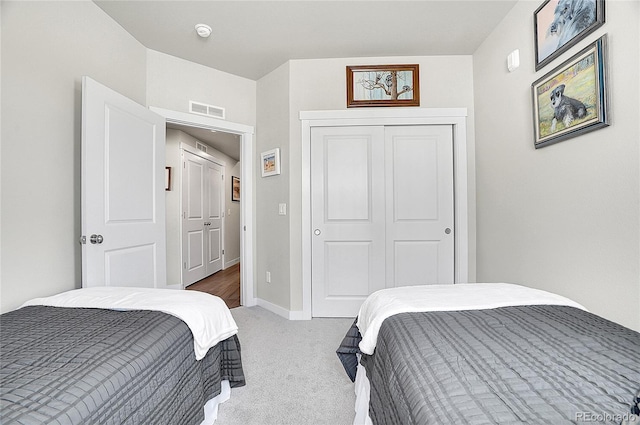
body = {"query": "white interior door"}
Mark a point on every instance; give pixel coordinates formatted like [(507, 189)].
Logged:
[(202, 217), (193, 218), (123, 211), (419, 219), (347, 190), (382, 212), (214, 214)]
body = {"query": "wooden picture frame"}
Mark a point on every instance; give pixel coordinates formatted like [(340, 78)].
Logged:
[(560, 24), (572, 99), (235, 189), (383, 85), (270, 162)]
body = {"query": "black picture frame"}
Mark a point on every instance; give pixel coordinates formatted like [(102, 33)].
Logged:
[(235, 189)]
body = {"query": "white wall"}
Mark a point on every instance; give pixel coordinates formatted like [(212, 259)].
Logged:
[(172, 82), (41, 116), (41, 112), (272, 230), (445, 81), (564, 218), (173, 205)]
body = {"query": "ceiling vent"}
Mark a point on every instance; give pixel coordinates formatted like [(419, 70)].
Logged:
[(201, 146), (204, 109)]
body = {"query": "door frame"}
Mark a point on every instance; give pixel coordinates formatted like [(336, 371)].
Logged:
[(456, 117), (246, 132)]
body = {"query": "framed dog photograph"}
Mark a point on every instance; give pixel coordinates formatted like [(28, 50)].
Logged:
[(572, 99), (383, 85), (560, 24)]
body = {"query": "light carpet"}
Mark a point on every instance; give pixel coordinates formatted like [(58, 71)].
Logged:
[(293, 374)]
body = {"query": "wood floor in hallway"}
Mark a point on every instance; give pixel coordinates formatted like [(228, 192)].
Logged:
[(224, 284)]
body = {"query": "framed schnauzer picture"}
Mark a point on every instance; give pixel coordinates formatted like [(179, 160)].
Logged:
[(560, 24), (383, 85), (572, 99)]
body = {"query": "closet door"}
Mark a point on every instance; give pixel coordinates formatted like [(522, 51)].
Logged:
[(382, 212), (419, 219), (347, 202)]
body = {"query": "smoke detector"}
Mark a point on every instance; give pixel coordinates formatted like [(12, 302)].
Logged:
[(203, 30)]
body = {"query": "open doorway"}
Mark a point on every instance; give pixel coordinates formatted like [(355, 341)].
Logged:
[(203, 216), (235, 141)]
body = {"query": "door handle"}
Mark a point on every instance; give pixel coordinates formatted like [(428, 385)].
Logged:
[(317, 232), (96, 239), (447, 230)]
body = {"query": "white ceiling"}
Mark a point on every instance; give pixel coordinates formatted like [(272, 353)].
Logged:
[(252, 38)]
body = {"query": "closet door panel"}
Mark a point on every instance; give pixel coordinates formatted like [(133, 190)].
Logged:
[(419, 201), (348, 256)]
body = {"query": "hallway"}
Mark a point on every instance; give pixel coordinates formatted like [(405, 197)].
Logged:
[(224, 284)]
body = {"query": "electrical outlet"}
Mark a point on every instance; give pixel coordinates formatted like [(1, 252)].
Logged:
[(268, 277)]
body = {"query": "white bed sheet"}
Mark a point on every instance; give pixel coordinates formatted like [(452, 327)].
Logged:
[(466, 296), (207, 316)]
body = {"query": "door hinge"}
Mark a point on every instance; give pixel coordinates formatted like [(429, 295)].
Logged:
[(223, 252), (185, 266)]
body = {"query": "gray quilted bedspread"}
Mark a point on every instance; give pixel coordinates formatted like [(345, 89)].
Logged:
[(512, 365), (92, 366)]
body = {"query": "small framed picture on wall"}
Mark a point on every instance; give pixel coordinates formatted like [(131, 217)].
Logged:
[(270, 161), (235, 188)]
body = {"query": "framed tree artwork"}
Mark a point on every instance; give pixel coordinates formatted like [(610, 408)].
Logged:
[(383, 85)]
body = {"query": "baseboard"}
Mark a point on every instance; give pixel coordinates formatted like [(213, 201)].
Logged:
[(231, 263), (281, 311)]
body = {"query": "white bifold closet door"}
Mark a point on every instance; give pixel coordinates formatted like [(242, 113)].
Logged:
[(382, 212), (202, 218)]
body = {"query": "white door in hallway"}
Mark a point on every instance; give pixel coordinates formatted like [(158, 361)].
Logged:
[(214, 213), (122, 191), (382, 212), (202, 213)]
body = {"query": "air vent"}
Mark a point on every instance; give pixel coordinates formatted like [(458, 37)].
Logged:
[(204, 109), (201, 147)]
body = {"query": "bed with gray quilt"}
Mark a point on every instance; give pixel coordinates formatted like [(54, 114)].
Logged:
[(104, 366), (524, 364)]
